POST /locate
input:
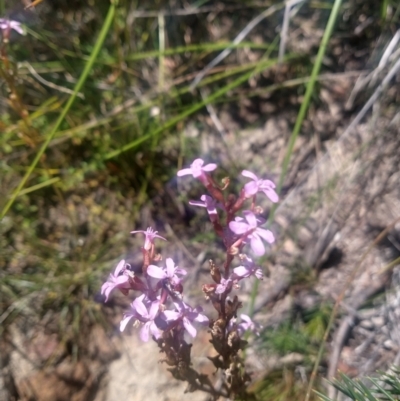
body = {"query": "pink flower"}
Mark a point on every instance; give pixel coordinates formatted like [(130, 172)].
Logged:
[(118, 279), (150, 235), (197, 169), (170, 272), (6, 25), (251, 231), (247, 324), (185, 315), (248, 269), (257, 185), (223, 286), (210, 204), (139, 311)]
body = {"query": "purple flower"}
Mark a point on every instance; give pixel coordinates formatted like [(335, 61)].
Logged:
[(139, 311), (224, 285), (150, 235), (248, 269), (170, 272), (251, 231), (186, 315), (210, 204), (118, 279), (257, 185), (197, 169), (247, 324), (6, 25)]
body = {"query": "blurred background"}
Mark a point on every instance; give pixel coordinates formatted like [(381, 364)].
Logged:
[(156, 98)]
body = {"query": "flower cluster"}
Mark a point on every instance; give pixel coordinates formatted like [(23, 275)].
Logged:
[(159, 306)]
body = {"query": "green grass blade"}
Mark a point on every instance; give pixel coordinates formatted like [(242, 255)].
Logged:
[(88, 67)]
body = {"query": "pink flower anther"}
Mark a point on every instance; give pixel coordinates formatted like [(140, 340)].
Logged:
[(259, 185)]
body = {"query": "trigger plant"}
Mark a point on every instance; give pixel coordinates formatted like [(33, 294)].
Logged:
[(160, 308)]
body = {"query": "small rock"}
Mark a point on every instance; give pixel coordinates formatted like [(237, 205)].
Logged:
[(378, 321), (367, 324), (389, 345)]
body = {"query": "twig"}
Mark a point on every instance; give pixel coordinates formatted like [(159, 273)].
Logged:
[(48, 83), (285, 28)]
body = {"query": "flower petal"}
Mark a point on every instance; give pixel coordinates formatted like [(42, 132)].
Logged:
[(251, 219), (171, 314), (202, 318), (197, 203), (271, 194), (245, 318), (155, 331), (154, 308), (251, 188), (259, 274), (189, 327), (266, 234), (156, 272), (144, 332), (241, 271), (249, 174), (238, 227), (119, 267), (122, 281), (185, 171), (138, 305), (124, 322), (138, 231), (257, 245), (170, 267), (209, 167), (106, 289)]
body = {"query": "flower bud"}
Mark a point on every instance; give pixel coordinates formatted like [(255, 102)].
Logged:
[(208, 289), (225, 182), (233, 250), (215, 272)]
